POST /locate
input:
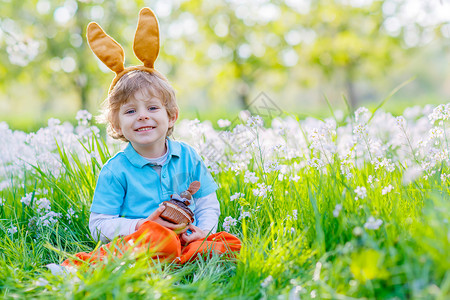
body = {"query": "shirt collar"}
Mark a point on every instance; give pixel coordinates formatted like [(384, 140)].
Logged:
[(138, 161)]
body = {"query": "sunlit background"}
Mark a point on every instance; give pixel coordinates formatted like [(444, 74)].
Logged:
[(219, 55)]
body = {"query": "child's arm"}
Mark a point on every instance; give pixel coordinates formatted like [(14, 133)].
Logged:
[(155, 217), (105, 227), (207, 212)]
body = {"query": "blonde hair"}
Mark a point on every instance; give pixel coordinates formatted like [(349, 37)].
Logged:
[(154, 84)]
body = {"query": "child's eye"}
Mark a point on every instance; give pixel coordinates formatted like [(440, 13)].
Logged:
[(153, 108), (130, 111)]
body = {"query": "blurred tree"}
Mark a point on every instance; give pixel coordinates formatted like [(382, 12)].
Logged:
[(349, 40), (237, 41), (46, 47), (217, 47)]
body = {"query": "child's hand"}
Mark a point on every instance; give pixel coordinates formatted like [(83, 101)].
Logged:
[(197, 234), (155, 217)]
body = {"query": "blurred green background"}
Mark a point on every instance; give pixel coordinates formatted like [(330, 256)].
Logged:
[(219, 55)]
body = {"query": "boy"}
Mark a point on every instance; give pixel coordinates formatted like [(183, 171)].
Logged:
[(142, 110)]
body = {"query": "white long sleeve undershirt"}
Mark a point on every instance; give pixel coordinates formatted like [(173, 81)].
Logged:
[(105, 227)]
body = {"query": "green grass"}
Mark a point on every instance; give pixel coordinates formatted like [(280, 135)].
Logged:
[(314, 254)]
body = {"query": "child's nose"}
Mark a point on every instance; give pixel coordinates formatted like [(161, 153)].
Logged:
[(143, 116)]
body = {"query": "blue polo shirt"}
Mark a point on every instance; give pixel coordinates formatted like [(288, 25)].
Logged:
[(128, 186)]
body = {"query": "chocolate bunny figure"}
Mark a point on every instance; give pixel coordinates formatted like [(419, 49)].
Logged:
[(177, 210)]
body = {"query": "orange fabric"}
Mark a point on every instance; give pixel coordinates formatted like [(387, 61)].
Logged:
[(221, 243), (162, 244)]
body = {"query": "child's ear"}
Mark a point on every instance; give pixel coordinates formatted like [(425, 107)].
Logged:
[(117, 129), (173, 119)]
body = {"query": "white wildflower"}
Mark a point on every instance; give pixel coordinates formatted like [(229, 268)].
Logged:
[(26, 200), (361, 192), (32, 221), (294, 178), (436, 132), (295, 291), (41, 192), (71, 214), (83, 117), (371, 179), (223, 123), (280, 149), (255, 121), (315, 136), (361, 131), (271, 166), (228, 222), (362, 115), (316, 163), (316, 275), (244, 115), (357, 231), (262, 190), (236, 196), (239, 128), (49, 218), (385, 163), (345, 170), (353, 283), (267, 281), (53, 122), (250, 177), (387, 189), (12, 230), (244, 214), (372, 223), (43, 204), (401, 122), (441, 112), (337, 210)]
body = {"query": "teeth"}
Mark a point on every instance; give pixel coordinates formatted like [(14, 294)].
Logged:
[(144, 128)]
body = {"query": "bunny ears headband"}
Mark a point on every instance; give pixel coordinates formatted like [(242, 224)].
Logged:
[(146, 46)]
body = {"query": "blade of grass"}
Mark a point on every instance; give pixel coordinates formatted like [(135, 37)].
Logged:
[(392, 93)]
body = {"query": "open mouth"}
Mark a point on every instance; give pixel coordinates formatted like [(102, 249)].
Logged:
[(144, 128)]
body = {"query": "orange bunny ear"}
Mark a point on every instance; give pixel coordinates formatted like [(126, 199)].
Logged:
[(194, 187), (146, 39), (106, 48)]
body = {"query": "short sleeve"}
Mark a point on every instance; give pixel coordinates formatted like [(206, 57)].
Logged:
[(202, 174), (109, 193)]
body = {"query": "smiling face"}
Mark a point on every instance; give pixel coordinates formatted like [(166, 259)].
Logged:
[(144, 121), (150, 85)]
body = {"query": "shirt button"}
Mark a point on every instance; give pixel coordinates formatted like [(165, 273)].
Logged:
[(164, 175)]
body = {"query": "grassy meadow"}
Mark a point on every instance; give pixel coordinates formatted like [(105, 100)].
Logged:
[(348, 207)]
